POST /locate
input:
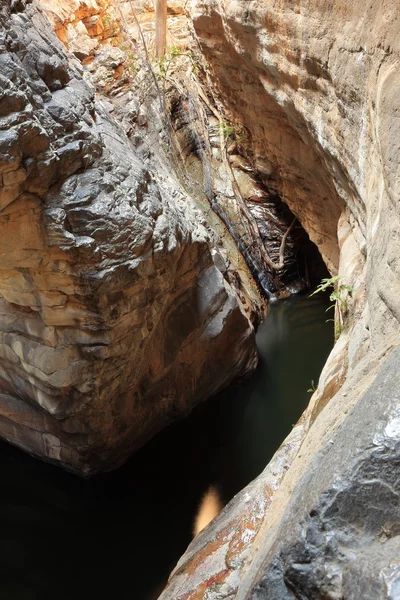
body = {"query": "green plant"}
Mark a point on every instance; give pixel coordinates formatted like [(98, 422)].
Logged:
[(227, 129), (240, 138), (175, 51), (130, 56), (312, 388), (339, 297), (166, 59), (163, 65), (325, 284), (230, 133), (132, 62)]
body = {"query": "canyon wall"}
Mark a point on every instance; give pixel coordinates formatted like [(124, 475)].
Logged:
[(118, 313), (316, 86), (114, 319)]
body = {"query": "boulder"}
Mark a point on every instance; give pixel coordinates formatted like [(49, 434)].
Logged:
[(113, 318)]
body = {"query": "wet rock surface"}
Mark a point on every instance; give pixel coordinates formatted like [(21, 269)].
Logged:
[(114, 319)]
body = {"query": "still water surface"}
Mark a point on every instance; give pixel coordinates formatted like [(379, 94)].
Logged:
[(120, 534)]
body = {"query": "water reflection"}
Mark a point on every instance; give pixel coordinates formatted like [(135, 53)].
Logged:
[(210, 506), (120, 534)]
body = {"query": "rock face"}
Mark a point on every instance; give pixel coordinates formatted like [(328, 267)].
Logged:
[(214, 155), (83, 26), (349, 542), (114, 319), (316, 90), (125, 78), (187, 126)]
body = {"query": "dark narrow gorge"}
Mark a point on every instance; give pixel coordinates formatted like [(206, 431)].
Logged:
[(199, 299), (123, 532)]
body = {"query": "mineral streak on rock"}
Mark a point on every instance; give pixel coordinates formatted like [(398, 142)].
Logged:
[(114, 320)]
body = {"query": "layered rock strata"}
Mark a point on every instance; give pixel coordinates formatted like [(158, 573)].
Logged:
[(214, 155), (316, 89), (114, 318)]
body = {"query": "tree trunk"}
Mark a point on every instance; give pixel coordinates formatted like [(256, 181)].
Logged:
[(161, 27)]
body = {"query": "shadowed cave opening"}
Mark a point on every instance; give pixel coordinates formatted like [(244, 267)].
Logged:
[(303, 264)]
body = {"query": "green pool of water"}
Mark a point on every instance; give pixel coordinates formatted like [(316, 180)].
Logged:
[(119, 535)]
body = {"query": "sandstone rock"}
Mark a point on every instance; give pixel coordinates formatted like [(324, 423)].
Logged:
[(315, 89), (322, 520), (83, 25), (340, 535), (255, 218), (113, 318)]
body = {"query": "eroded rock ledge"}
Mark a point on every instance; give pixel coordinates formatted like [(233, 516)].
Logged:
[(315, 87), (114, 319)]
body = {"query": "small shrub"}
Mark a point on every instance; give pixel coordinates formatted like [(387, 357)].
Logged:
[(338, 297), (312, 389), (227, 129)]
